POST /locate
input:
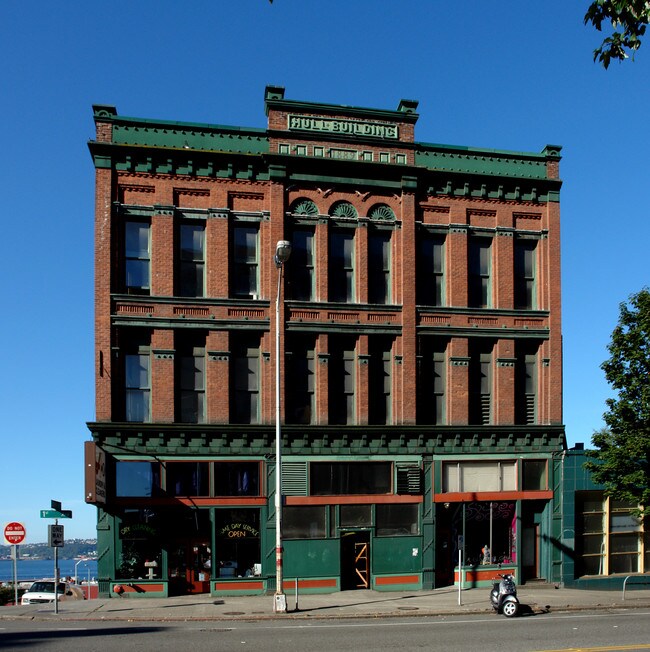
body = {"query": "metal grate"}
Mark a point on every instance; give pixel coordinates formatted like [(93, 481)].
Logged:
[(294, 478), (409, 480)]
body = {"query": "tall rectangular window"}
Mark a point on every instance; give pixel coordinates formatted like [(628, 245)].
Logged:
[(138, 387), (379, 263), (192, 260), (526, 383), (432, 382), (300, 381), (431, 271), (191, 385), (341, 267), (300, 268), (480, 269), (244, 281), (525, 254), (137, 257), (245, 380), (342, 381), (380, 376), (480, 384)]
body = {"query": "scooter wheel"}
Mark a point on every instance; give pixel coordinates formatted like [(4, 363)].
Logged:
[(510, 609)]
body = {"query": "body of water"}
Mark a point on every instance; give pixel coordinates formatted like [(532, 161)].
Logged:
[(36, 569)]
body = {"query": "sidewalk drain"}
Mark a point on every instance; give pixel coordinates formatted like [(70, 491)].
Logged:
[(408, 608), (234, 613)]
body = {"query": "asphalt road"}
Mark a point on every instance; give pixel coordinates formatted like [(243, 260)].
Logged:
[(598, 631)]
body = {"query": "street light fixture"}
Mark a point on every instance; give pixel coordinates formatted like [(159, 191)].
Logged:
[(282, 253)]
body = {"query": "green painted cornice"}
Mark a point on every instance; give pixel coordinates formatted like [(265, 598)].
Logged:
[(209, 150), (523, 165), (181, 135), (159, 439)]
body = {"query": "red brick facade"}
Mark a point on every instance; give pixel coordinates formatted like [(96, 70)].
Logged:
[(430, 324)]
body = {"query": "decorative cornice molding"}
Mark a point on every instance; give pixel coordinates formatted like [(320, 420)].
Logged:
[(163, 354)]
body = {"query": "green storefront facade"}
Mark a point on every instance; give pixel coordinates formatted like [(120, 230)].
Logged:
[(409, 539)]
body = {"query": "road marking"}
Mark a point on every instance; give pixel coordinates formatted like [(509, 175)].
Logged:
[(607, 648)]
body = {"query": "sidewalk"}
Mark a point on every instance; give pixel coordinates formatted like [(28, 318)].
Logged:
[(535, 599)]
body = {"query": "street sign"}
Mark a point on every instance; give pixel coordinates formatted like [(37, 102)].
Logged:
[(14, 533), (55, 536), (53, 513), (56, 505)]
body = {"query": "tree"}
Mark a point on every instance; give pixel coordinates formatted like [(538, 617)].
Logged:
[(628, 19), (621, 459)]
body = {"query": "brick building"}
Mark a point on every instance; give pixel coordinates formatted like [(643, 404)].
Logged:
[(420, 350)]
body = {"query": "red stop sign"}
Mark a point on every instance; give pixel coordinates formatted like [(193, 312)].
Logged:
[(14, 533)]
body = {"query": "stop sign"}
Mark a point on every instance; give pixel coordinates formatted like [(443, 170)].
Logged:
[(14, 533)]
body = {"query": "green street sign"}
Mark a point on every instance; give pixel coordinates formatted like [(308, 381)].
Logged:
[(53, 513)]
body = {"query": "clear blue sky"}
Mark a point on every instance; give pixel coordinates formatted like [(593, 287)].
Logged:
[(503, 74)]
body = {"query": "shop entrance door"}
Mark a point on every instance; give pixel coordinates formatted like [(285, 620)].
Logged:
[(190, 567), (355, 560), (532, 518)]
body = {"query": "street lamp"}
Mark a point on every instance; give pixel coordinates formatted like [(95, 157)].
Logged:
[(282, 253)]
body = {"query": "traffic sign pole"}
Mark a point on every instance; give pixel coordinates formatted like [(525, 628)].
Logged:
[(56, 575), (14, 556)]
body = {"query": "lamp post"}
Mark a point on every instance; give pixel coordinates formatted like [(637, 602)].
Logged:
[(282, 253)]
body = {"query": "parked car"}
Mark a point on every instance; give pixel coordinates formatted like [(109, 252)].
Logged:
[(42, 592)]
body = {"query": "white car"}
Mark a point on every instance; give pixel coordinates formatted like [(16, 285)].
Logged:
[(42, 592)]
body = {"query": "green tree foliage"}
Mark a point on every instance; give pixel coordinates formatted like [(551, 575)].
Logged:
[(621, 459), (628, 20)]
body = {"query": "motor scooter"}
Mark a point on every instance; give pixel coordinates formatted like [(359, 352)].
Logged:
[(503, 596)]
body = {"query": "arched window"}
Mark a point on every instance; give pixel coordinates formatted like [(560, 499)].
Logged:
[(304, 207), (381, 212), (343, 209)]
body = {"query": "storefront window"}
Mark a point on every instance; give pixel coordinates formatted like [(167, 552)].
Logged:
[(480, 476), (356, 515), (396, 520), (137, 479), (616, 548), (140, 543), (534, 475), (236, 479), (346, 478), (188, 478), (304, 522), (487, 530), (237, 551)]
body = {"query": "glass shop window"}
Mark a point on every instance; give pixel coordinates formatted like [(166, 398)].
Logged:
[(534, 475), (137, 479), (236, 479), (237, 539), (480, 476), (356, 515), (304, 522), (396, 520), (344, 478), (139, 539), (489, 530), (590, 533), (624, 538), (188, 478)]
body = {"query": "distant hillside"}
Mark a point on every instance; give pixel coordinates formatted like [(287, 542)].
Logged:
[(73, 549)]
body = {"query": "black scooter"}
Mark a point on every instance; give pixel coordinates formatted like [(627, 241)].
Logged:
[(503, 596)]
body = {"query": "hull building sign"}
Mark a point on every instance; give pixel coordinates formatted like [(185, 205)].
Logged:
[(344, 127)]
